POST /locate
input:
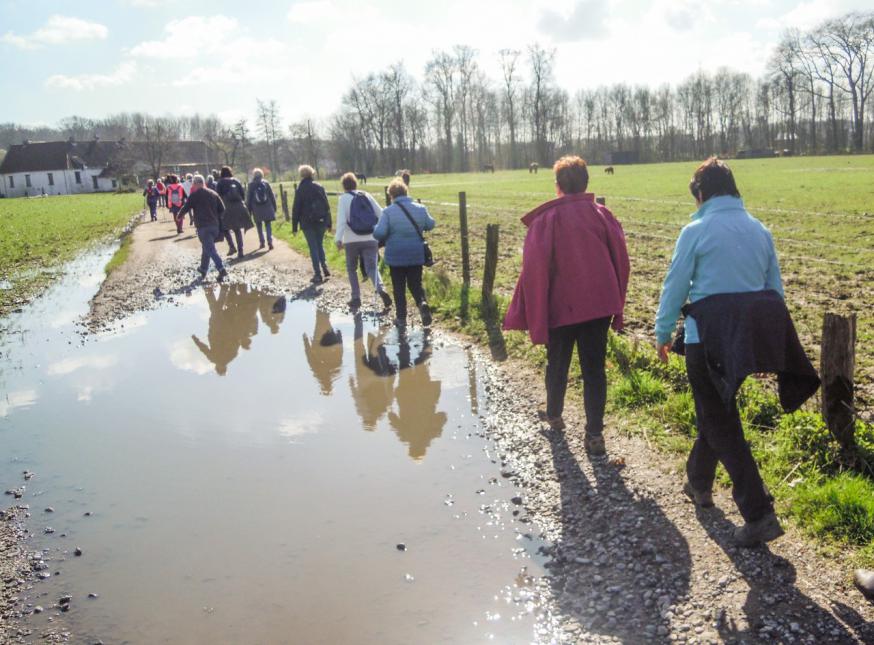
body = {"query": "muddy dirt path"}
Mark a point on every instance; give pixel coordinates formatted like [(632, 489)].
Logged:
[(629, 558)]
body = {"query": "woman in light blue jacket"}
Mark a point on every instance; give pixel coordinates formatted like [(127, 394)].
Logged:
[(405, 249)]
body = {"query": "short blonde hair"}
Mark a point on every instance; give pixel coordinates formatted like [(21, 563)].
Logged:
[(257, 173), (397, 188), (349, 181), (306, 172)]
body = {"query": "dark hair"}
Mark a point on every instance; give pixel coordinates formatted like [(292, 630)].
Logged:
[(349, 181), (227, 172), (712, 179), (571, 174)]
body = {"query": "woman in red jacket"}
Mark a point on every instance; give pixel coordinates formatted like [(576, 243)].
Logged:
[(573, 282), (175, 201)]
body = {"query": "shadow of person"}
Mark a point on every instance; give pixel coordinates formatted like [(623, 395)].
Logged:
[(417, 422), (223, 336), (772, 593), (620, 563), (372, 386), (324, 352), (272, 311), (863, 629)]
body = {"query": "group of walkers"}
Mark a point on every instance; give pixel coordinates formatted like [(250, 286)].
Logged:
[(724, 278)]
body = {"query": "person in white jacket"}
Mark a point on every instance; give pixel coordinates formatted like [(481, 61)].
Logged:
[(358, 246)]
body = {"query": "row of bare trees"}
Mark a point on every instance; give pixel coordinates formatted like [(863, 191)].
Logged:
[(814, 98)]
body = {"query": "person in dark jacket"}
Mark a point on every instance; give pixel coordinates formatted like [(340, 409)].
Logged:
[(236, 218), (207, 207), (312, 214), (152, 196), (261, 202), (723, 250), (405, 249)]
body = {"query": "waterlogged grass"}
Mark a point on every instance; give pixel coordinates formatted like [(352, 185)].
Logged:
[(38, 235), (821, 211), (120, 256)]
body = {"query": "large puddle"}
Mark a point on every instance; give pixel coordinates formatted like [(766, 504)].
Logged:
[(238, 473)]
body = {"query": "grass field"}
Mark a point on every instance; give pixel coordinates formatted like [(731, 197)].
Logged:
[(821, 212), (38, 235)]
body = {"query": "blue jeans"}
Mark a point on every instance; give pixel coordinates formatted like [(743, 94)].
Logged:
[(207, 236), (269, 227), (315, 238)]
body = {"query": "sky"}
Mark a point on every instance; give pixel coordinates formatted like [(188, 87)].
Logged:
[(97, 57)]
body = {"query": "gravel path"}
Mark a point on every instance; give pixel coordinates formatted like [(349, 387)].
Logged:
[(631, 560)]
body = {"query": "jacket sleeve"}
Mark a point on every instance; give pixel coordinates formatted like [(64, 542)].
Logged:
[(430, 222), (186, 206), (621, 263), (295, 210), (271, 196), (249, 193), (678, 282), (342, 216), (382, 226), (773, 280), (529, 308), (327, 205), (220, 205)]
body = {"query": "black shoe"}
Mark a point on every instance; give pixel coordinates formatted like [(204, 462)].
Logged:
[(222, 275), (240, 254), (425, 312), (702, 498), (355, 303), (269, 246), (202, 274), (232, 251), (325, 271), (316, 279), (386, 299), (262, 245)]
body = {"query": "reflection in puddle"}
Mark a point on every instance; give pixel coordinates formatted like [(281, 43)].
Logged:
[(243, 503)]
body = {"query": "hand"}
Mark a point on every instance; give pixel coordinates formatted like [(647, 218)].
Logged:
[(664, 351), (339, 246)]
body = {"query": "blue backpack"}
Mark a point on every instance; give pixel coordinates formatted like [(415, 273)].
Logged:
[(362, 218)]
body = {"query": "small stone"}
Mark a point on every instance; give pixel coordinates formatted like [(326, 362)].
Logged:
[(38, 609), (49, 509), (87, 514), (48, 530), (93, 595), (77, 552), (65, 600), (401, 547), (516, 500)]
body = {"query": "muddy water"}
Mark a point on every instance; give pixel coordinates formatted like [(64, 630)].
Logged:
[(250, 471)]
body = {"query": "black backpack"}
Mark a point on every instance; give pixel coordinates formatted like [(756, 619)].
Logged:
[(261, 195), (315, 209)]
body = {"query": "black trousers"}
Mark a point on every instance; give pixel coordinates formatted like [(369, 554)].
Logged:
[(721, 440), (590, 339), (238, 234), (403, 278)]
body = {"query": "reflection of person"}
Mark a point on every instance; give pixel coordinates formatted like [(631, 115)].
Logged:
[(373, 383), (726, 265), (233, 321), (271, 314), (324, 351), (417, 421), (573, 282)]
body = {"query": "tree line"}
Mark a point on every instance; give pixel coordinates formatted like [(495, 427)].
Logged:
[(812, 99)]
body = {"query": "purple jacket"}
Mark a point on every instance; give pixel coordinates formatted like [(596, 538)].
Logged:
[(574, 267)]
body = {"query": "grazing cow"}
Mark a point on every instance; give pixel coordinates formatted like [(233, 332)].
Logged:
[(488, 167), (533, 167), (360, 176), (608, 170)]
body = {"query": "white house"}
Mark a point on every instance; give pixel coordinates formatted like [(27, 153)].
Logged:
[(58, 168)]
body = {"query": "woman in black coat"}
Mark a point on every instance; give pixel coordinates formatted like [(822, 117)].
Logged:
[(236, 216)]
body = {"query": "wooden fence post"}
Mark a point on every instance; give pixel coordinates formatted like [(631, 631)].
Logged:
[(491, 266), (836, 367), (465, 239), (601, 200), (283, 194)]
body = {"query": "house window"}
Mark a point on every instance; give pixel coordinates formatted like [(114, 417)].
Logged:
[(94, 181), (11, 181), (51, 179), (78, 177), (115, 183), (27, 181)]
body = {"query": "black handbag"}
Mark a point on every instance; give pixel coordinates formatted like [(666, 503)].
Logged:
[(429, 257)]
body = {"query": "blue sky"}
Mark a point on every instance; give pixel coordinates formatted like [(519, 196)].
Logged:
[(93, 58)]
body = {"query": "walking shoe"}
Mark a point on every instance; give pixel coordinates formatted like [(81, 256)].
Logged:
[(232, 251), (555, 423), (316, 279), (202, 274), (240, 254), (325, 271), (594, 445), (401, 323), (355, 303), (262, 245), (864, 580), (386, 299), (704, 499), (222, 275), (425, 312), (753, 533), (269, 246)]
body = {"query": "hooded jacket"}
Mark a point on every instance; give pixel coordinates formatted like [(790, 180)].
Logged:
[(575, 268)]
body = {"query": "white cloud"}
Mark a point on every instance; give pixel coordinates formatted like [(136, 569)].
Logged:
[(70, 365), (184, 355), (58, 30), (307, 422), (191, 37), (18, 399), (584, 20), (148, 4), (310, 11), (804, 16), (122, 74)]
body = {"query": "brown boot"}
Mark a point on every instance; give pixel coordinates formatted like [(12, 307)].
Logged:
[(754, 533)]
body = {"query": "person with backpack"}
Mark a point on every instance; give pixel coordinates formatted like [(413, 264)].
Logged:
[(152, 196), (175, 201), (261, 202), (357, 216), (401, 227), (236, 217), (162, 192), (312, 214)]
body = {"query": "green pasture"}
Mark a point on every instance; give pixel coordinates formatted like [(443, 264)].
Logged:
[(38, 235)]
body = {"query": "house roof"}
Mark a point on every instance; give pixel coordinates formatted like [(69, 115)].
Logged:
[(57, 155)]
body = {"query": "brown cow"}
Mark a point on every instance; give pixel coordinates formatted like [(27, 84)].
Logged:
[(533, 167), (487, 167), (608, 170)]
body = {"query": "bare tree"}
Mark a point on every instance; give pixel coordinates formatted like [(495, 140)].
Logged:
[(509, 64), (307, 145), (541, 61), (441, 76), (270, 127), (157, 133)]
